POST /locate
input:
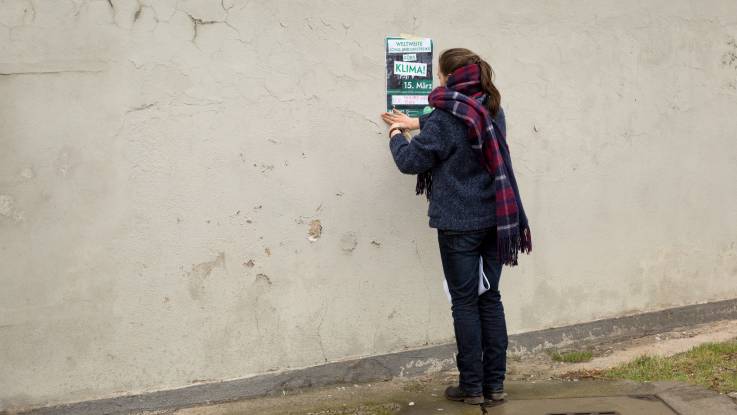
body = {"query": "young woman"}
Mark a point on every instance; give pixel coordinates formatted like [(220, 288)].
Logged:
[(464, 168)]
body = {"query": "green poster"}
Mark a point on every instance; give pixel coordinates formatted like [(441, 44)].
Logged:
[(408, 74)]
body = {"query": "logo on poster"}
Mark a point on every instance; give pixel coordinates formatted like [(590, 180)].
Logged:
[(410, 68)]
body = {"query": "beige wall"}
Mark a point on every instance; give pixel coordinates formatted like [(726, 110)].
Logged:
[(150, 150)]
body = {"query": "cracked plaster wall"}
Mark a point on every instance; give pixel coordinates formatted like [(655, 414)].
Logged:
[(162, 162)]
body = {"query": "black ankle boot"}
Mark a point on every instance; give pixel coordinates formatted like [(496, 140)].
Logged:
[(494, 397), (455, 393)]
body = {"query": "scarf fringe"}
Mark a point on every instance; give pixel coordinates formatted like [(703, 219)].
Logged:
[(424, 184), (510, 247)]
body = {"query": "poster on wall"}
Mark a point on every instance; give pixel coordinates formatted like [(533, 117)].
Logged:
[(408, 74)]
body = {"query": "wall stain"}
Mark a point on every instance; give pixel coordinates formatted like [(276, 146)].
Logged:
[(199, 274), (261, 309), (137, 14), (348, 242)]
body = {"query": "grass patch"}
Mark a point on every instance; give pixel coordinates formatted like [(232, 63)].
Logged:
[(571, 357), (712, 365)]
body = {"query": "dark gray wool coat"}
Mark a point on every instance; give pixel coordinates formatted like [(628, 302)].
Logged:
[(462, 196)]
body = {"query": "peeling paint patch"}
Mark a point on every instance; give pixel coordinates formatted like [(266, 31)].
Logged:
[(729, 60), (265, 168), (8, 209), (6, 205), (199, 274), (730, 57), (348, 242), (27, 173), (315, 231), (63, 163)]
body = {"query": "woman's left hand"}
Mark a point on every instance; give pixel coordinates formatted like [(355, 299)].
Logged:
[(403, 120)]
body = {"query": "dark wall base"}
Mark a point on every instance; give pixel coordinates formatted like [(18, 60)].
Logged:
[(407, 363)]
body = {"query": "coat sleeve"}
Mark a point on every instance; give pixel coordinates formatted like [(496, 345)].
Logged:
[(424, 151)]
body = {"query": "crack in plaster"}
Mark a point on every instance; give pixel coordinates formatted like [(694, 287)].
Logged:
[(196, 22), (50, 72), (319, 327)]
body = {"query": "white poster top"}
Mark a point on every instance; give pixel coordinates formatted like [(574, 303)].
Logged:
[(409, 45)]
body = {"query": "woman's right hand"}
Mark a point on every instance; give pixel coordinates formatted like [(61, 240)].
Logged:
[(401, 119)]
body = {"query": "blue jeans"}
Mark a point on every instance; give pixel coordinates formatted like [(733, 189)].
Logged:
[(478, 320)]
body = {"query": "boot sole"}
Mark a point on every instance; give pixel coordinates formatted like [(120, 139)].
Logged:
[(493, 402), (470, 400), (476, 400)]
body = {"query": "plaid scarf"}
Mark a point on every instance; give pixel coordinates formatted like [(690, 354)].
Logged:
[(462, 97)]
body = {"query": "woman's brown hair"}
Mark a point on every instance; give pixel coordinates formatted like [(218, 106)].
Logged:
[(452, 59)]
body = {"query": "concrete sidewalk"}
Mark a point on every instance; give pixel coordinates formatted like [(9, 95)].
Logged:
[(533, 382), (525, 398)]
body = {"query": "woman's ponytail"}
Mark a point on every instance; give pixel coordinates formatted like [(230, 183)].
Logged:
[(493, 102)]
